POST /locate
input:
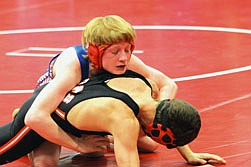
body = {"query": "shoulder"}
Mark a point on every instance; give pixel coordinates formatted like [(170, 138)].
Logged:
[(67, 65), (67, 56), (69, 51)]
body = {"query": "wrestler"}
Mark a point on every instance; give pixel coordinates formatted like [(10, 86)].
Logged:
[(108, 43), (102, 106)]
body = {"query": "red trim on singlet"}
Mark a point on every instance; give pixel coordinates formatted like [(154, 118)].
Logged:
[(11, 143), (60, 113)]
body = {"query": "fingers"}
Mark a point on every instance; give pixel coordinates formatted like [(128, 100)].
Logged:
[(205, 159), (102, 143), (95, 137), (93, 143), (111, 139), (100, 140), (198, 161), (212, 158)]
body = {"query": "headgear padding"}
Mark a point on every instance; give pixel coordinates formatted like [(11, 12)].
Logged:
[(95, 53), (176, 123)]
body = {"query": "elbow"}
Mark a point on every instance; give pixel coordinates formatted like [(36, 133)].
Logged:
[(131, 125), (29, 120), (172, 84), (173, 88), (32, 120), (169, 90)]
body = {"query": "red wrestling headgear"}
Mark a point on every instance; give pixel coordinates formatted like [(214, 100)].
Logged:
[(176, 123), (95, 53)]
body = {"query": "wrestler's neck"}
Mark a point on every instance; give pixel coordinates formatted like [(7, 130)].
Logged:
[(147, 113)]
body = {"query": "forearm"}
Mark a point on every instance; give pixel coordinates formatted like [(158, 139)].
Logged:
[(39, 118), (49, 130), (145, 143), (125, 144), (126, 158)]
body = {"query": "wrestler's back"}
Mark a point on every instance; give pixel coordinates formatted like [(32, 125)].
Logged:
[(96, 114)]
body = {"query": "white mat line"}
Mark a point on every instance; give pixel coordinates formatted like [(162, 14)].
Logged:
[(137, 27), (241, 69), (25, 52), (237, 155), (213, 74), (226, 102), (226, 145)]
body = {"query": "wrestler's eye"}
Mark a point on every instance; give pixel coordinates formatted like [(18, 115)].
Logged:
[(115, 51)]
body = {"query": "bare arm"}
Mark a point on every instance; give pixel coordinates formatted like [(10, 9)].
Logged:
[(125, 142), (38, 117), (114, 117), (167, 87)]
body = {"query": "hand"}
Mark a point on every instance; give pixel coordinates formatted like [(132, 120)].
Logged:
[(204, 158), (92, 143)]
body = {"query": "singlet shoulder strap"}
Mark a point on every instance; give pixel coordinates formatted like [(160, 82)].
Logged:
[(103, 76), (132, 73)]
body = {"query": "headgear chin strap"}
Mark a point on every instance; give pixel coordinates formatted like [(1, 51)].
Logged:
[(95, 53), (159, 132)]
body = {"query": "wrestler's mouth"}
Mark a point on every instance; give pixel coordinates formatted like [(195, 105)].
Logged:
[(121, 66)]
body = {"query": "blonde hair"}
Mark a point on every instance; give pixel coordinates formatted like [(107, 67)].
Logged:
[(108, 30)]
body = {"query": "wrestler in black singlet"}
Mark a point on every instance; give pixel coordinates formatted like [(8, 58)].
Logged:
[(17, 140)]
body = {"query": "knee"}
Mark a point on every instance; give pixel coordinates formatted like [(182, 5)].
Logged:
[(47, 155), (44, 161)]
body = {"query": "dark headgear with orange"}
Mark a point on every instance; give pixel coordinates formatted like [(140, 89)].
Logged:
[(176, 123), (102, 32)]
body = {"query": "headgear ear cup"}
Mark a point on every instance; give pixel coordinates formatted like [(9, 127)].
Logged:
[(159, 130), (95, 53), (94, 56), (164, 137)]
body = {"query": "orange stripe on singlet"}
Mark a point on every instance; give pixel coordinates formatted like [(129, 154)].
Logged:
[(19, 136), (11, 143), (60, 113)]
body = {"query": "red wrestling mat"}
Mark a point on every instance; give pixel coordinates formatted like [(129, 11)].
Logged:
[(203, 45)]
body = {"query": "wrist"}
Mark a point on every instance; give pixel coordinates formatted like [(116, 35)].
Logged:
[(186, 152)]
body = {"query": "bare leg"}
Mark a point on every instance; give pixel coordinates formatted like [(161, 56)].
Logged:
[(46, 155)]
